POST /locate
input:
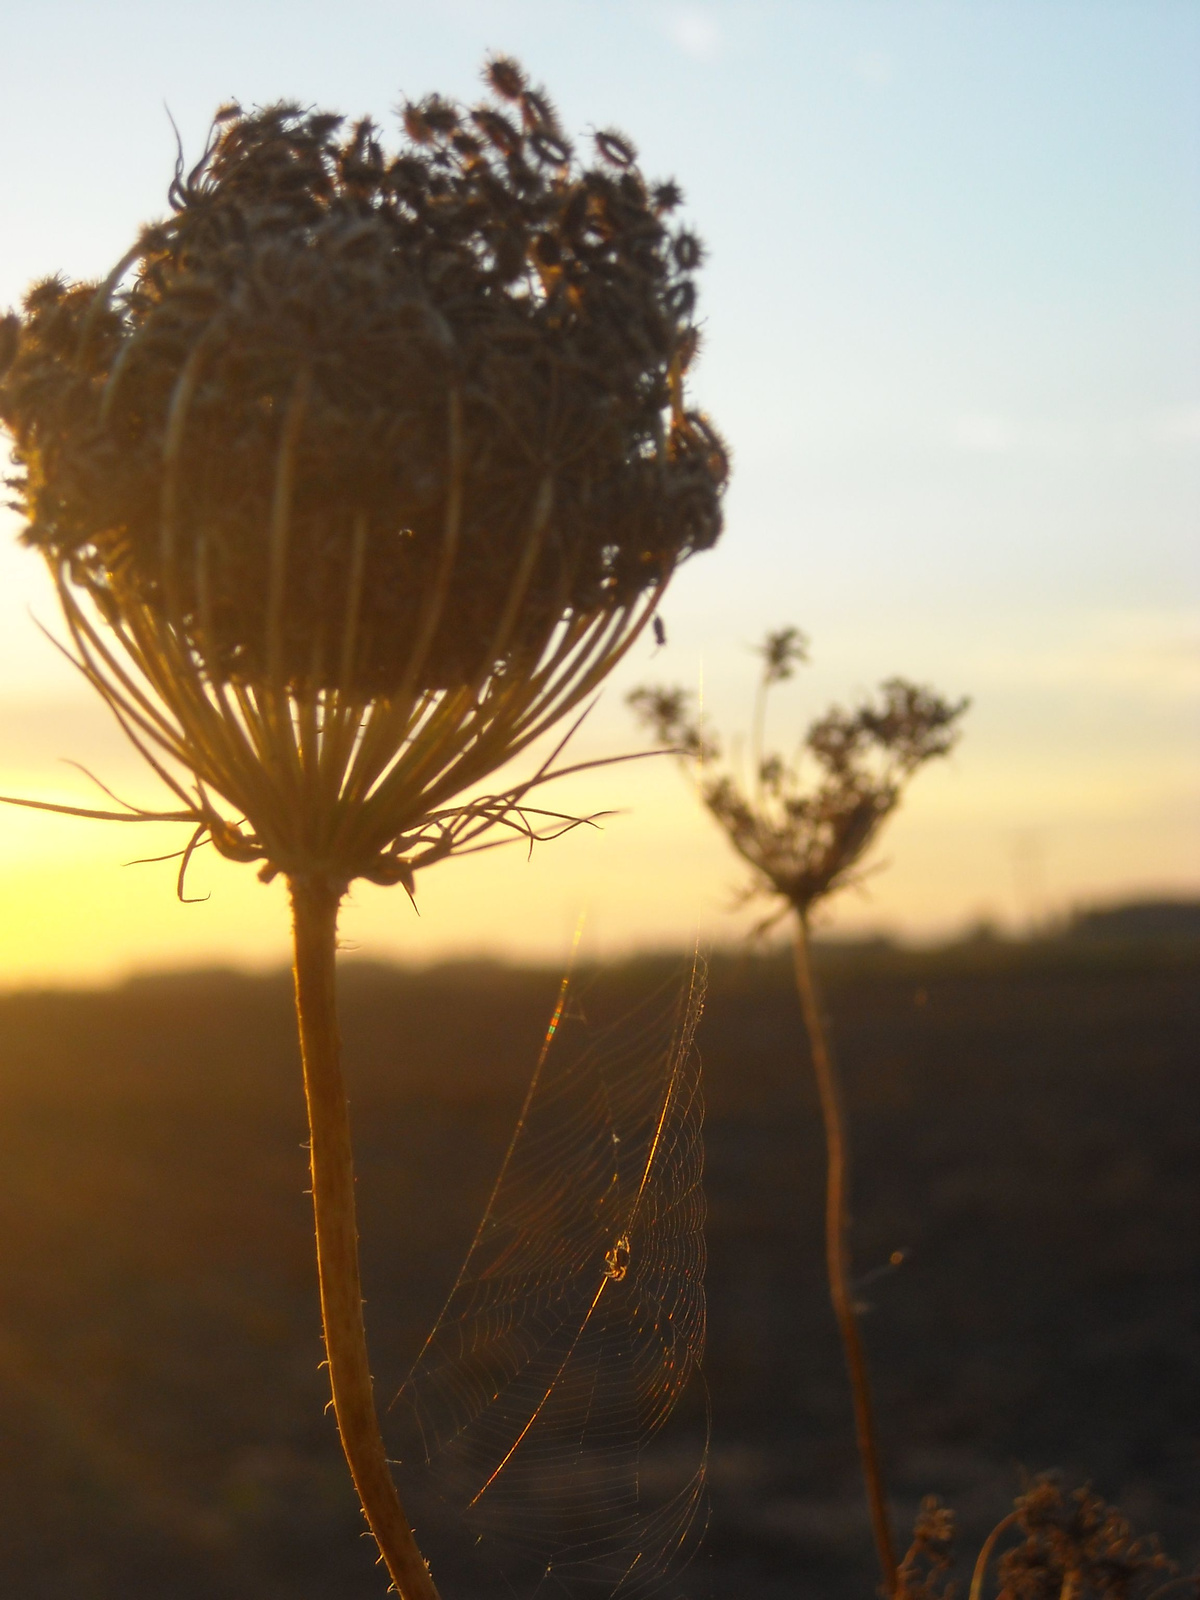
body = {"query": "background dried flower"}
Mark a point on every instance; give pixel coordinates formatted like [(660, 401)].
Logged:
[(805, 838), (1071, 1546), (1075, 1544)]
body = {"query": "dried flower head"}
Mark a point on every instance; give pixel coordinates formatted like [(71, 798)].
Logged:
[(1076, 1545), (373, 461), (805, 837), (1071, 1546)]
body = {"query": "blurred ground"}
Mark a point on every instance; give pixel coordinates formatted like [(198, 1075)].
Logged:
[(1025, 1125)]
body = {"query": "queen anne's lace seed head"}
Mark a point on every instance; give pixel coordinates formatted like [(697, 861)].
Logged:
[(365, 467), (329, 342)]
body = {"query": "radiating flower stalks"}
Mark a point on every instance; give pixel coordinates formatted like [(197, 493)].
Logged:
[(803, 840), (356, 476)]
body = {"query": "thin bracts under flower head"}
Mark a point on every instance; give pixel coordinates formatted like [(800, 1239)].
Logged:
[(365, 466), (804, 826)]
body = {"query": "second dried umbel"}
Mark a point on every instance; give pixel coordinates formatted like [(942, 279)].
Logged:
[(804, 825)]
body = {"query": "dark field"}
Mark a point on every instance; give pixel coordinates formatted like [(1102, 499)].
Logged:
[(1026, 1122)]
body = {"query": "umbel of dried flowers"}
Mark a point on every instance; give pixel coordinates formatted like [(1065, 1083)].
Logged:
[(398, 438), (804, 840), (356, 475)]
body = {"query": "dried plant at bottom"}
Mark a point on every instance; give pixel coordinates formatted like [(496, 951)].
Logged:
[(1074, 1545), (357, 475), (1068, 1546), (804, 838)]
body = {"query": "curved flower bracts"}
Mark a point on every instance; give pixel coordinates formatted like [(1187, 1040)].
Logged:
[(363, 469), (806, 836)]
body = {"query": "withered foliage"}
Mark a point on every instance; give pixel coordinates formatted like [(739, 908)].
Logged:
[(804, 825), (1071, 1545), (1075, 1545), (341, 381)]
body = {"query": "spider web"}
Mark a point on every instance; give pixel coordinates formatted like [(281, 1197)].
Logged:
[(541, 1397)]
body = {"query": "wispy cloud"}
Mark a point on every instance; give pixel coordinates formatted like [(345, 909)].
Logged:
[(991, 433), (1180, 425), (1148, 651), (875, 66), (695, 31), (982, 433)]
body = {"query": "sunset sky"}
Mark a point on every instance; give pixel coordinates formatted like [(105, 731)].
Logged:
[(952, 332)]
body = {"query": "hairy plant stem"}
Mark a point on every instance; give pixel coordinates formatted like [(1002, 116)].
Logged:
[(315, 904), (837, 1253)]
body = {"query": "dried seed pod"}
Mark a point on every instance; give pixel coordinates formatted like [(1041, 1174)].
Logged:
[(688, 251), (506, 77), (615, 148)]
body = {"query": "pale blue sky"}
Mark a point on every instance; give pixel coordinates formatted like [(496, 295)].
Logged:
[(953, 330)]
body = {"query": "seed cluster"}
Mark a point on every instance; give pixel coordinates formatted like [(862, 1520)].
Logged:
[(346, 395)]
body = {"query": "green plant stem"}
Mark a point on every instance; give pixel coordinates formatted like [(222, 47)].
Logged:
[(315, 904), (837, 1254)]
